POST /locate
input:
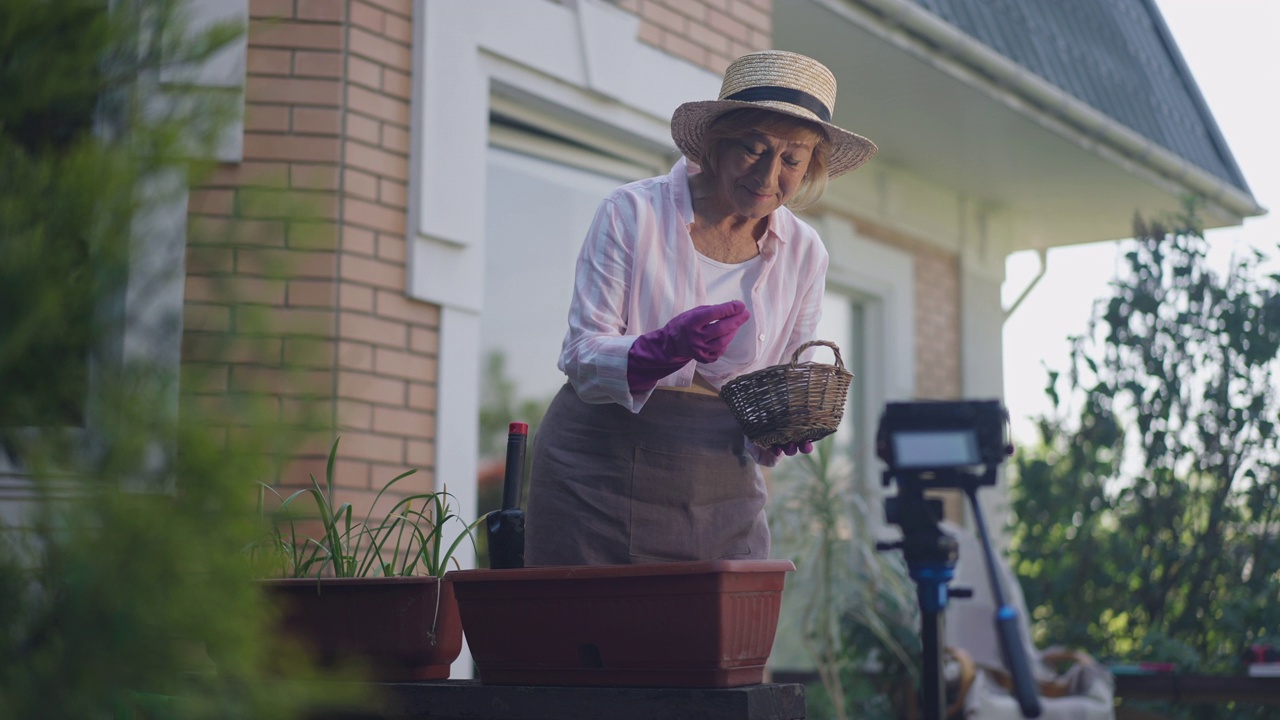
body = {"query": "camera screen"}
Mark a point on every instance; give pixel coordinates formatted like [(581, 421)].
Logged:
[(935, 448)]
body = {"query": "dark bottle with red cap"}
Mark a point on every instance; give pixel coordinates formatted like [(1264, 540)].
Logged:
[(506, 526)]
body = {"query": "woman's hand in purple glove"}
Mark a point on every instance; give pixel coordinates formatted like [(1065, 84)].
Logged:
[(704, 332), (791, 448), (701, 334)]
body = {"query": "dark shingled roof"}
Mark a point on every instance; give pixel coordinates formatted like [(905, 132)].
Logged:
[(1117, 56)]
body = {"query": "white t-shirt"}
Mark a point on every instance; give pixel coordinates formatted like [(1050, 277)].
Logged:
[(725, 282)]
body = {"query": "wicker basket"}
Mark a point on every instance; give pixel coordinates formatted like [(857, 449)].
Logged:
[(791, 402)]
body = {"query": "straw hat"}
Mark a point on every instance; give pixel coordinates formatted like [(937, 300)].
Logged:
[(783, 82)]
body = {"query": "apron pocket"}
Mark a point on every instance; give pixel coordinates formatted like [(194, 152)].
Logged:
[(693, 507)]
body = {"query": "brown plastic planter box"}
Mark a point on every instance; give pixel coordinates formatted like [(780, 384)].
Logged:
[(689, 624), (391, 624)]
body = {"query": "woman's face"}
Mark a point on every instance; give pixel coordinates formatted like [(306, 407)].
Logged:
[(759, 173)]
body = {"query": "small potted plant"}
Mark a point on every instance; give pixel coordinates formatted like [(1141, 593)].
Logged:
[(370, 591)]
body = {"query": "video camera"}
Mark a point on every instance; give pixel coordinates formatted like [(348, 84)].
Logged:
[(944, 443)]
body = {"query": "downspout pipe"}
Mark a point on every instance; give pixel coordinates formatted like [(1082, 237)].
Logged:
[(936, 40), (1044, 267)]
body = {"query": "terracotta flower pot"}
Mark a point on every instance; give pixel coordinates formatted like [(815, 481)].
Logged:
[(691, 624), (390, 623)]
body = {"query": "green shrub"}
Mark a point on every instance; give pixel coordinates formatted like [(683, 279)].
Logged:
[(124, 591)]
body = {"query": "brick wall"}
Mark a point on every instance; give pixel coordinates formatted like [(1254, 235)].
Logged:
[(710, 33), (327, 119), (937, 325)]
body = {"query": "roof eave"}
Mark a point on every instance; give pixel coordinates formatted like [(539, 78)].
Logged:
[(942, 42)]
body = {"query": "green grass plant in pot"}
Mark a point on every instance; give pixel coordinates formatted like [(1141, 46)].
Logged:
[(368, 592)]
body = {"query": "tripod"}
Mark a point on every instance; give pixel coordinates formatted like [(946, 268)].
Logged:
[(931, 559), (947, 445)]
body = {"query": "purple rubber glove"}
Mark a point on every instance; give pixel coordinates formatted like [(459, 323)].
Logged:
[(701, 334), (791, 448)]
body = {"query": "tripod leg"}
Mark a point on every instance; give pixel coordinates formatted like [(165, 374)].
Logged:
[(933, 691)]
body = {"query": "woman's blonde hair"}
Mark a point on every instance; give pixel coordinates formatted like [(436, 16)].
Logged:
[(737, 124)]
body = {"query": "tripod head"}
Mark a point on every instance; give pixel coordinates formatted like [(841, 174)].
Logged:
[(932, 445)]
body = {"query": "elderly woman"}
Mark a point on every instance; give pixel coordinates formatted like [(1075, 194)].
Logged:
[(685, 282)]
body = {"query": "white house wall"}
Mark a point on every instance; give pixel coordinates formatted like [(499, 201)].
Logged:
[(982, 236)]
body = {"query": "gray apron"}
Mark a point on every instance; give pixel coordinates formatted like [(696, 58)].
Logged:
[(672, 482)]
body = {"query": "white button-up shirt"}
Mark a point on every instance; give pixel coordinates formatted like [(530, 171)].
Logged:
[(638, 269)]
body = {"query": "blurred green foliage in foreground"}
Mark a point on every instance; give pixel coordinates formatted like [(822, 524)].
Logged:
[(124, 591)]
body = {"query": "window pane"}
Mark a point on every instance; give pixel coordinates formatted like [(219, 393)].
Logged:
[(537, 216)]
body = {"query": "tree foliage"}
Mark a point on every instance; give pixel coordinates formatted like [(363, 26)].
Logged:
[(1147, 520)]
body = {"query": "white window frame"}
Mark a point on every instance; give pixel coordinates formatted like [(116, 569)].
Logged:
[(571, 141), (882, 280)]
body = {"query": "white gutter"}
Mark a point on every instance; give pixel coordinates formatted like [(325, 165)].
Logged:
[(936, 41)]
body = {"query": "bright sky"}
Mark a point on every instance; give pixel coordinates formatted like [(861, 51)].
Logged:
[(1231, 48)]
